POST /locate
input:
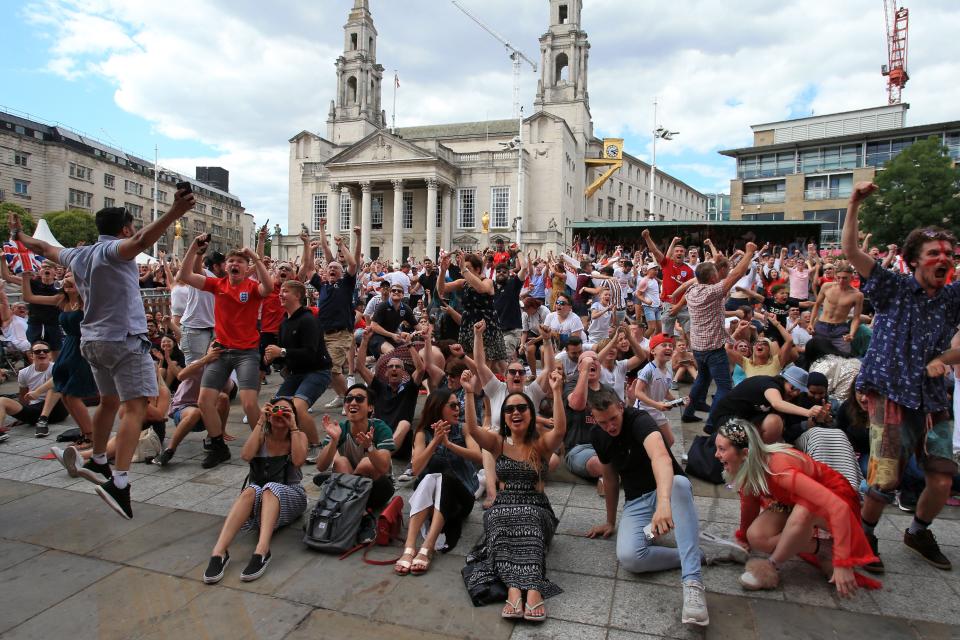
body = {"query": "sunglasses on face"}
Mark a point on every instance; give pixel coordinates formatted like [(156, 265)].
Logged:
[(41, 351), (513, 408), (280, 409), (561, 303), (454, 405), (515, 372), (396, 290), (358, 399)]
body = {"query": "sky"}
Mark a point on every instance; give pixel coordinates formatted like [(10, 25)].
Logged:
[(229, 82)]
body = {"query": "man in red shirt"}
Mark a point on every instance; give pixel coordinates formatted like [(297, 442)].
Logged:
[(501, 254), (236, 306), (674, 272)]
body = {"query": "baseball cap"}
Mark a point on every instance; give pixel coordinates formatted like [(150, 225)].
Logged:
[(795, 376), (659, 339), (650, 265), (214, 258)]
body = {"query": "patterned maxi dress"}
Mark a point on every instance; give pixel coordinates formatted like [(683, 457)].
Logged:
[(518, 528), (476, 307)]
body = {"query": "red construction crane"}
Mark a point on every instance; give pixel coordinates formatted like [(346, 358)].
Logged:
[(896, 68)]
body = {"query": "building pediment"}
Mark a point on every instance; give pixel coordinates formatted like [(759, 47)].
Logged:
[(465, 240), (380, 146)]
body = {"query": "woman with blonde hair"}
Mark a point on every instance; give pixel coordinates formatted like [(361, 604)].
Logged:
[(785, 496)]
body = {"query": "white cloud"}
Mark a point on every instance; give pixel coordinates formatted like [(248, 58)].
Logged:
[(243, 77)]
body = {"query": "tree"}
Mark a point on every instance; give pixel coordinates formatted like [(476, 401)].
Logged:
[(26, 219), (918, 188), (72, 227)]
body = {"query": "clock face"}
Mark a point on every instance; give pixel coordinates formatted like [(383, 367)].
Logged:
[(613, 151)]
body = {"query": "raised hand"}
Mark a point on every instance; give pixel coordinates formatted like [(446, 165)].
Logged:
[(479, 328), (862, 191)]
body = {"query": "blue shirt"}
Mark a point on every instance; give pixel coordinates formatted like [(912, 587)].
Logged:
[(909, 329), (538, 283), (110, 288)]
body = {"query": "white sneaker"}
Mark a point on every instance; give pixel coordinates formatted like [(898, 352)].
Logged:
[(717, 550), (313, 452), (244, 420), (406, 476), (482, 489), (694, 604), (336, 403)]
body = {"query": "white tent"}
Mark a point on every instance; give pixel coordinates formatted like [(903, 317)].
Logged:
[(42, 232), (145, 258)]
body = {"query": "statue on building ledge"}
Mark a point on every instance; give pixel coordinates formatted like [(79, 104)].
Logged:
[(485, 222)]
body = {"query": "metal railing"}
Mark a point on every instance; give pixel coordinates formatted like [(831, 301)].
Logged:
[(764, 198), (745, 173), (826, 194)]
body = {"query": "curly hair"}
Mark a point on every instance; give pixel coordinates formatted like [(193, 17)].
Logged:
[(916, 239)]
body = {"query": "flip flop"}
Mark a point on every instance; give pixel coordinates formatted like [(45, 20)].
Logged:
[(534, 617), (515, 613)]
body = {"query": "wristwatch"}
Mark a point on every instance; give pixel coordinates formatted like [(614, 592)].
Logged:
[(283, 353)]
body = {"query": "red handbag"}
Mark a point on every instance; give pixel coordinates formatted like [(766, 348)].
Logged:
[(389, 528)]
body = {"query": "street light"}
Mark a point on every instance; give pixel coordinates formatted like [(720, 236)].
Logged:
[(660, 133)]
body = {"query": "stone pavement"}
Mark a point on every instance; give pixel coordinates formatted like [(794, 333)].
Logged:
[(69, 567)]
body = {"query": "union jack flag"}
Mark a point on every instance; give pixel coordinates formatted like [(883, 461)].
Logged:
[(16, 255)]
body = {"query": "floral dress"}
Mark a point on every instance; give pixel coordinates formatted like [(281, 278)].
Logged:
[(476, 307)]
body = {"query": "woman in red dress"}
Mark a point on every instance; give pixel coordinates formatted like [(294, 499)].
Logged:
[(784, 496)]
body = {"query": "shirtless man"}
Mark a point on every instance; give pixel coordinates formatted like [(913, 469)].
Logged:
[(837, 299)]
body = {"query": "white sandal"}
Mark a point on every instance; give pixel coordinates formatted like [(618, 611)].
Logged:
[(402, 567), (419, 566)]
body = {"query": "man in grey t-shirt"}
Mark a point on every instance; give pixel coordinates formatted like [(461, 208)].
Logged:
[(113, 335)]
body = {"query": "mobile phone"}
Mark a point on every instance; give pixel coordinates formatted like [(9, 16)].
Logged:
[(648, 531), (216, 345), (676, 402), (185, 185)]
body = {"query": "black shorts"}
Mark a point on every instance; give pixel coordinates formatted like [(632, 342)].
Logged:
[(31, 413)]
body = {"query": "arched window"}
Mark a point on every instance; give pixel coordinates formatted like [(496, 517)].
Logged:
[(562, 69), (352, 90)]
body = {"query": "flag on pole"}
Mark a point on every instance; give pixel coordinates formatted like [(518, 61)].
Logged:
[(396, 81), (18, 257)]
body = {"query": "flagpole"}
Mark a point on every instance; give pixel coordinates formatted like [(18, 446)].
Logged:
[(156, 175), (393, 116)]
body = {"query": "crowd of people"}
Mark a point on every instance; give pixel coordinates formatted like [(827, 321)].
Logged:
[(817, 380)]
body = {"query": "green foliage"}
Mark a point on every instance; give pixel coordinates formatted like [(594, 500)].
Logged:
[(918, 188), (72, 227), (26, 219)]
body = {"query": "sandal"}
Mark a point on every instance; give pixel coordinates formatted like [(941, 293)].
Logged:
[(402, 567), (420, 567), (534, 617), (512, 611)]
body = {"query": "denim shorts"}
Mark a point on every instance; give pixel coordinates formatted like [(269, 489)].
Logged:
[(178, 415), (122, 368), (651, 313), (306, 386), (577, 458), (246, 362)]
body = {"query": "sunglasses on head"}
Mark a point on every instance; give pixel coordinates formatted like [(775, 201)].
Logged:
[(39, 351), (359, 399), (512, 408)]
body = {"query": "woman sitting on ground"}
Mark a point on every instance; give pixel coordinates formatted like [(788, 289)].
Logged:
[(275, 449), (520, 524), (445, 459), (784, 496)]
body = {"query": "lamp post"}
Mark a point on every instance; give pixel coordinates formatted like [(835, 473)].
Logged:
[(659, 132)]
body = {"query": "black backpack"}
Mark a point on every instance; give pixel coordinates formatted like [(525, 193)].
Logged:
[(335, 520)]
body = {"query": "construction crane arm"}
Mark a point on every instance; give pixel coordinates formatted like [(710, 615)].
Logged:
[(513, 50)]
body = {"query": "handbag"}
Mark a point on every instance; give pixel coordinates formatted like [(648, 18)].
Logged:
[(389, 527), (490, 590), (148, 446), (266, 469), (701, 459)]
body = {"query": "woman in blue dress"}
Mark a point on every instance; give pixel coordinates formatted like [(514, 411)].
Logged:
[(72, 379)]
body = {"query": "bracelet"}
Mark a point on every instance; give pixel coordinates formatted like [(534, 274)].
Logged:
[(371, 449)]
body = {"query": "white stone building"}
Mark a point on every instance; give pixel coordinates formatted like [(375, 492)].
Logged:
[(421, 188), (46, 168)]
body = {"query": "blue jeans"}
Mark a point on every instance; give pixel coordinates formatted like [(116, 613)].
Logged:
[(635, 552), (711, 365)]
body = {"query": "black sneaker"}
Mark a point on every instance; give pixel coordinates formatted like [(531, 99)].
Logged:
[(117, 499), (42, 430), (219, 452), (91, 470), (216, 569), (874, 567), (206, 444), (690, 418), (255, 568), (924, 543), (164, 458)]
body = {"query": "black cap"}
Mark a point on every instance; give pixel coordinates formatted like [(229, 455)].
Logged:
[(214, 258)]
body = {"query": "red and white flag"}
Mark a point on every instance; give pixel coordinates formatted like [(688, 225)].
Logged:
[(18, 257)]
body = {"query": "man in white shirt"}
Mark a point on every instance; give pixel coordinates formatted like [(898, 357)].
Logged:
[(400, 278), (196, 323), (28, 407), (14, 322)]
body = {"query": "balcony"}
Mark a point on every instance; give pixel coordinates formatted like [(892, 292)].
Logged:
[(826, 194), (764, 198), (747, 173)]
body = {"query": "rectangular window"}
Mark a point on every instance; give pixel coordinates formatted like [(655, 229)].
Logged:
[(20, 159), (319, 210), (200, 207), (229, 216), (376, 211), (108, 202), (80, 199), (610, 204), (600, 207), (80, 172), (466, 208), (129, 186), (407, 210), (439, 211), (135, 210), (21, 187), (109, 181), (629, 212), (161, 195), (629, 192), (346, 206), (199, 226), (619, 212), (216, 213), (500, 206)]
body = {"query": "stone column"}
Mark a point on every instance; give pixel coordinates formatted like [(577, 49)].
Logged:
[(447, 242), (397, 254), (333, 214), (431, 248), (365, 215)]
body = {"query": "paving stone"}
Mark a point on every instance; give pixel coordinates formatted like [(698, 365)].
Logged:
[(437, 602), (70, 521), (934, 631), (218, 504), (224, 475), (348, 586), (620, 634), (717, 509), (585, 497), (583, 555), (730, 617), (724, 579), (22, 441), (899, 597), (237, 615), (804, 584), (185, 495), (32, 470), (788, 621), (48, 578), (12, 461), (558, 492), (11, 490), (183, 556), (472, 534), (13, 553), (59, 479), (331, 625), (554, 628), (126, 604), (648, 608), (577, 521), (169, 528), (585, 599)]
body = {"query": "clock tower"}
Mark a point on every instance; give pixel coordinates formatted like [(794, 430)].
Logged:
[(564, 53)]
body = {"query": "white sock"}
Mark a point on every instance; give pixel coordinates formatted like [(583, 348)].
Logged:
[(99, 458), (120, 479)]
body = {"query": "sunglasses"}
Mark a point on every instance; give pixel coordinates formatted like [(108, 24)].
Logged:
[(561, 303), (513, 408), (41, 351), (280, 409), (454, 405), (358, 399), (516, 372), (396, 290)]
